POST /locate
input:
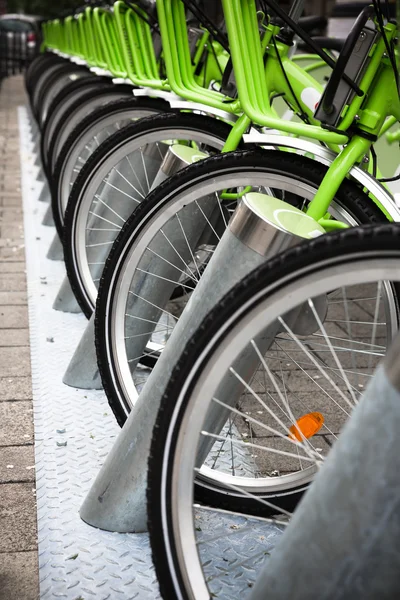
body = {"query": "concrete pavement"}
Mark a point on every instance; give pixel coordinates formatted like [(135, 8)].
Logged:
[(19, 578)]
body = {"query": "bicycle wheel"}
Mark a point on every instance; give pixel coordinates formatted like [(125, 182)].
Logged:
[(114, 182), (73, 81), (39, 65), (53, 84), (86, 138), (42, 80), (77, 113), (134, 317), (75, 94), (217, 550)]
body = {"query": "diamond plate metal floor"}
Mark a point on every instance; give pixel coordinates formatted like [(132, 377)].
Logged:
[(74, 430)]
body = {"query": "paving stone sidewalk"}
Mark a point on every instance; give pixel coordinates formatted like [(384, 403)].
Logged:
[(18, 534)]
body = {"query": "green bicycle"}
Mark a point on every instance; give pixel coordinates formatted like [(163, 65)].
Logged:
[(134, 316)]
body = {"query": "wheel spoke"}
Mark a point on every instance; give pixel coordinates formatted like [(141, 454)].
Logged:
[(121, 191), (109, 207), (315, 362), (178, 254), (137, 178), (128, 182), (106, 220)]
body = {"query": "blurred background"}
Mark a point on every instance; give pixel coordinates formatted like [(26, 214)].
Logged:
[(20, 22), (51, 8)]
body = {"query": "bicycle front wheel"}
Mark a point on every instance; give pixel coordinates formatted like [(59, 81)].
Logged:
[(217, 549), (160, 242), (75, 150), (115, 180)]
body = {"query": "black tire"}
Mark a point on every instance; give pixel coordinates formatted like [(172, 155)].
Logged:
[(360, 207), (104, 93), (76, 92), (43, 76), (112, 108), (39, 65), (65, 74), (167, 123), (309, 256)]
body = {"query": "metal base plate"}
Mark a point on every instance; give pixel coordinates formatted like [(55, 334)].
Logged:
[(74, 431)]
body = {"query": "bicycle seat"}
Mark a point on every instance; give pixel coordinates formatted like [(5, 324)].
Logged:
[(351, 10), (326, 43), (149, 6), (313, 23)]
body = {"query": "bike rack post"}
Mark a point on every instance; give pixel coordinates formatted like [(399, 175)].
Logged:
[(80, 372), (176, 158), (117, 499), (344, 538), (36, 150), (45, 193), (40, 174), (65, 300), (55, 252), (110, 211), (35, 139), (48, 220)]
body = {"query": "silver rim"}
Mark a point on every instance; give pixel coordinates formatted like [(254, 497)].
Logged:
[(40, 82), (51, 93), (87, 144), (130, 264), (63, 108), (194, 547), (76, 118), (94, 234)]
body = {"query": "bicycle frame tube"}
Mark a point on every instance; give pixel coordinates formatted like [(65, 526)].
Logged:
[(137, 48), (390, 121), (84, 36), (91, 48), (253, 77), (176, 51), (98, 38), (370, 82), (235, 136), (342, 164), (383, 102)]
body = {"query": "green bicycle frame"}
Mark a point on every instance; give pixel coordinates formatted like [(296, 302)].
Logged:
[(137, 48), (259, 77), (263, 69)]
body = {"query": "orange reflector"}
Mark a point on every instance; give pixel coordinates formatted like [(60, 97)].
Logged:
[(308, 424)]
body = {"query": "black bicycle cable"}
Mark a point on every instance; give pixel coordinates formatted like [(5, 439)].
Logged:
[(392, 58), (210, 43), (145, 16), (374, 161), (389, 49), (215, 31), (387, 9), (302, 115)]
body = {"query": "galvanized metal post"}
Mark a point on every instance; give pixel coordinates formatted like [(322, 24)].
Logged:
[(40, 176), (116, 501), (45, 193), (56, 251), (175, 159), (48, 220), (344, 539), (34, 129), (132, 177), (80, 372), (36, 150), (65, 300)]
